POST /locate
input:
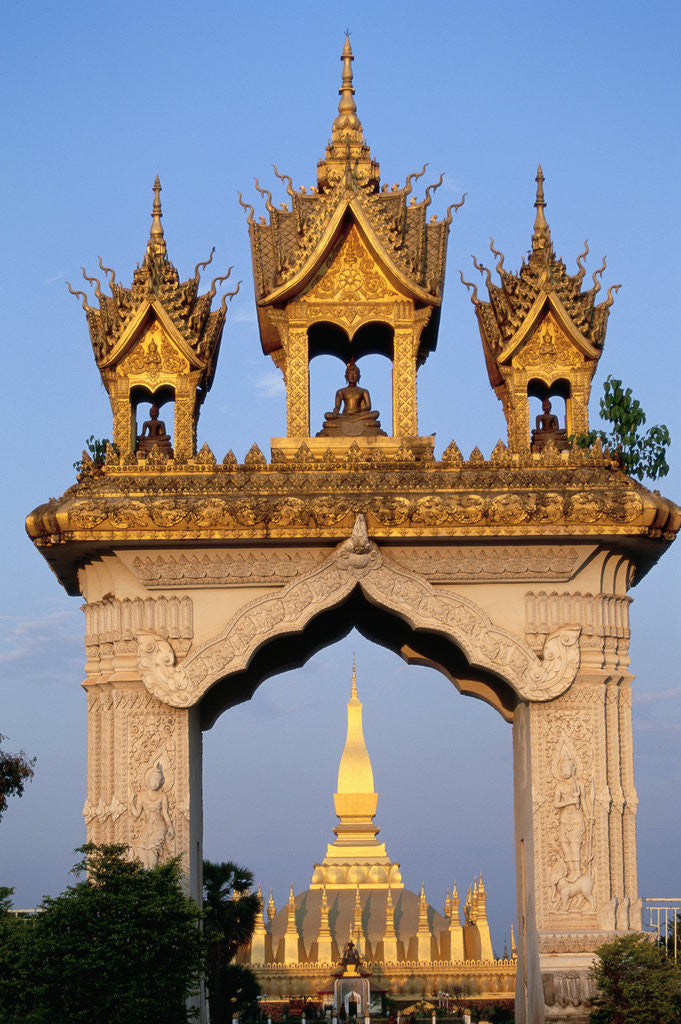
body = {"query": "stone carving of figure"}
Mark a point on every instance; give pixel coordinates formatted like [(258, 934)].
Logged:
[(569, 799), (356, 418), (547, 429), (154, 434), (571, 882), (153, 805)]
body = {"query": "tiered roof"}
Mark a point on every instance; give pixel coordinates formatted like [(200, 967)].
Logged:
[(289, 248), (542, 274), (156, 281)]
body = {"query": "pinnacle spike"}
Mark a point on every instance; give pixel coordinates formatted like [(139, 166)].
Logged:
[(541, 237), (156, 211)]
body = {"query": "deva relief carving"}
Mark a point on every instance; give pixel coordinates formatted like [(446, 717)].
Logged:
[(570, 807), (151, 805), (359, 562), (137, 790), (572, 880), (223, 568)]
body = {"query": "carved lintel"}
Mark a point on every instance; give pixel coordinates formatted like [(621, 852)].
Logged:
[(359, 562)]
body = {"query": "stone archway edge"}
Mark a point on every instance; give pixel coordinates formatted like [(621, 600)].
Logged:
[(360, 562)]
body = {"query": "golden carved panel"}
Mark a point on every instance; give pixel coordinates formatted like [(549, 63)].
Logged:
[(152, 355), (350, 274), (548, 349)]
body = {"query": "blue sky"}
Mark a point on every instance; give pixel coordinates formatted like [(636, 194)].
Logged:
[(97, 100)]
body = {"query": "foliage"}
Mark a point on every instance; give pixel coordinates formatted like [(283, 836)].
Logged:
[(637, 983), (230, 910), (121, 946), (640, 455), (240, 991), (97, 454), (15, 771)]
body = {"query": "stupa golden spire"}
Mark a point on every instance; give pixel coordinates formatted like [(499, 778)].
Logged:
[(356, 858)]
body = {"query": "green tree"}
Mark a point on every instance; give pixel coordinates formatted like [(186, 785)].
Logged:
[(122, 946), (230, 910), (640, 455), (15, 771), (637, 983)]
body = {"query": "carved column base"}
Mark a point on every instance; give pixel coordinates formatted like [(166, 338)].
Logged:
[(568, 988), (565, 962)]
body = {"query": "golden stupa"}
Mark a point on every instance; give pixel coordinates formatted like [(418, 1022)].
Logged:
[(357, 894)]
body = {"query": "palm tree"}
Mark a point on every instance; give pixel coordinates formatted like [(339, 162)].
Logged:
[(230, 910)]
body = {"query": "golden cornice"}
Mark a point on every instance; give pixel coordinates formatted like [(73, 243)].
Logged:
[(314, 499)]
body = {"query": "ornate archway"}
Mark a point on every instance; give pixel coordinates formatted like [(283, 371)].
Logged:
[(509, 574)]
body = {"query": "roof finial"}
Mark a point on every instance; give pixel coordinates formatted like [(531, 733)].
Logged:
[(353, 695), (347, 109), (541, 238), (156, 212)]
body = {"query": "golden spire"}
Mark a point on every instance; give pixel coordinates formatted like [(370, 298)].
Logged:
[(541, 238), (271, 909), (260, 916), (156, 211), (324, 930), (448, 905), (356, 856), (514, 951), (357, 935), (389, 932), (347, 155), (347, 108), (355, 774)]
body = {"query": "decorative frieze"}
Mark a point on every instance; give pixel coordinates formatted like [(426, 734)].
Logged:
[(224, 569), (600, 616), (112, 619), (475, 564)]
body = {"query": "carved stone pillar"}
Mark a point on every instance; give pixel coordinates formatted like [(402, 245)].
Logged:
[(297, 383), (144, 773), (578, 865), (123, 428), (144, 777), (405, 420), (184, 440)]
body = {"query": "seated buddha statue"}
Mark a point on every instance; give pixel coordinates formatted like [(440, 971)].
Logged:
[(356, 418), (547, 429), (154, 435)]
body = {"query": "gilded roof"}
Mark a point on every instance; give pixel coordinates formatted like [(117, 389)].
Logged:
[(156, 280), (348, 181), (543, 273)]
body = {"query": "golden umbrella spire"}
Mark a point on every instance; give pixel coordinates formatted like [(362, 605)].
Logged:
[(541, 238), (353, 694)]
